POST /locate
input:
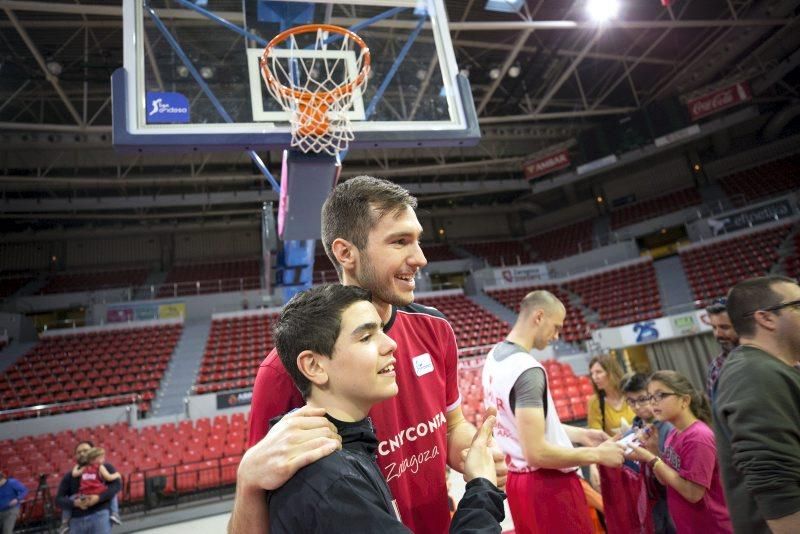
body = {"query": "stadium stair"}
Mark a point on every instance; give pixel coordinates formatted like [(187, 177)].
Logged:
[(182, 370), (673, 285), (154, 279), (786, 250), (32, 287), (13, 352), (491, 305), (713, 195)]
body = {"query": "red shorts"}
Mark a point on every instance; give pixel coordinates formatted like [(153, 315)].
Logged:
[(547, 501)]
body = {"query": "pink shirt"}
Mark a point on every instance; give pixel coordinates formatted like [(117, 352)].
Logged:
[(693, 454)]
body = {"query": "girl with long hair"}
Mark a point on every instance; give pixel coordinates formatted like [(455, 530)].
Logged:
[(688, 465)]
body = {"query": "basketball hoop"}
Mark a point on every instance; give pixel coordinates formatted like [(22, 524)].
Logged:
[(317, 88)]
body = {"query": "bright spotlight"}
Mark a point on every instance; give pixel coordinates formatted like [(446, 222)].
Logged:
[(602, 10)]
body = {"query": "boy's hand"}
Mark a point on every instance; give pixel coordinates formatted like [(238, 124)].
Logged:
[(480, 460), (300, 438)]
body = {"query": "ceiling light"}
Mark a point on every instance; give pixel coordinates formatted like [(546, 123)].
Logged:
[(54, 67), (207, 73), (422, 74), (602, 10), (464, 73), (183, 72), (514, 70), (494, 73)]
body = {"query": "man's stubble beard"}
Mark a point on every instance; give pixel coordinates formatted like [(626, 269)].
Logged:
[(368, 279)]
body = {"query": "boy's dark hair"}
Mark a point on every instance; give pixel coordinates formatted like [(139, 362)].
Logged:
[(633, 382), (347, 212), (311, 320), (752, 295)]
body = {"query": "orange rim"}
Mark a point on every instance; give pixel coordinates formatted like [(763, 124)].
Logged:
[(315, 95)]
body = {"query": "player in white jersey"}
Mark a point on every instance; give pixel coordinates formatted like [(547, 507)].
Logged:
[(544, 491)]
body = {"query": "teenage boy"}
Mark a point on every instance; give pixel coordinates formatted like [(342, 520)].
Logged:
[(656, 517), (332, 345), (371, 234)]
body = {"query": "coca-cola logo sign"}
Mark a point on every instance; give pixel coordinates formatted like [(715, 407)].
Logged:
[(547, 164), (711, 103)]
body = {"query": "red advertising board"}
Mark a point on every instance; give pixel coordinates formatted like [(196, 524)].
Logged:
[(547, 164), (711, 103)]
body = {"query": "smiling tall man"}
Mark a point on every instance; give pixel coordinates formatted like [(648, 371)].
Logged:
[(371, 234)]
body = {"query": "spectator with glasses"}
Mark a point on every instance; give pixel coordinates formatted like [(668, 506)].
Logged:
[(757, 407), (655, 517), (726, 336), (689, 466)]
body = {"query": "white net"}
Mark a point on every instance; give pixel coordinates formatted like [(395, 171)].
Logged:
[(314, 75)]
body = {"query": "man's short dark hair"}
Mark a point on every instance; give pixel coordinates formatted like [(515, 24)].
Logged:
[(633, 382), (718, 306), (348, 211), (752, 295), (311, 320), (86, 441)]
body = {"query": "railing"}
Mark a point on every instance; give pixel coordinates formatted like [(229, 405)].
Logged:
[(40, 410), (201, 287)]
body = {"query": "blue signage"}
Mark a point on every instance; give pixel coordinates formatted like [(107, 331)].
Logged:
[(166, 108), (645, 331)]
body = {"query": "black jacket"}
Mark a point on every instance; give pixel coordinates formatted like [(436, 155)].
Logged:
[(71, 485), (345, 492)]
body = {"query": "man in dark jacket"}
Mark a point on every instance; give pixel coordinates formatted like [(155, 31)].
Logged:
[(757, 408), (90, 513), (331, 343)]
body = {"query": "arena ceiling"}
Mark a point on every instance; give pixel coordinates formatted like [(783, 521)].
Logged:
[(536, 82)]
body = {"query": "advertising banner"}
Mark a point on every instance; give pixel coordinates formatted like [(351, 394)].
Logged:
[(714, 102), (231, 399), (536, 272), (546, 164)]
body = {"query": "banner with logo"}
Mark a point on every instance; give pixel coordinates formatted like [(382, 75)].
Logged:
[(172, 311), (123, 313), (653, 330), (749, 217), (725, 98), (166, 108), (232, 399), (546, 164), (536, 272)]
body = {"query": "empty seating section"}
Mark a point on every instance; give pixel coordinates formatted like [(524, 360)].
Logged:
[(94, 280), (575, 327), (654, 207), (11, 284), (562, 242), (191, 456), (235, 348), (792, 262), (570, 393), (90, 370), (473, 325), (435, 252), (324, 271), (763, 181), (712, 269), (218, 277), (498, 253), (621, 296)]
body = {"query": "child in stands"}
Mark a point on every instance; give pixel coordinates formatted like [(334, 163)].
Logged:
[(689, 468), (94, 476)]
